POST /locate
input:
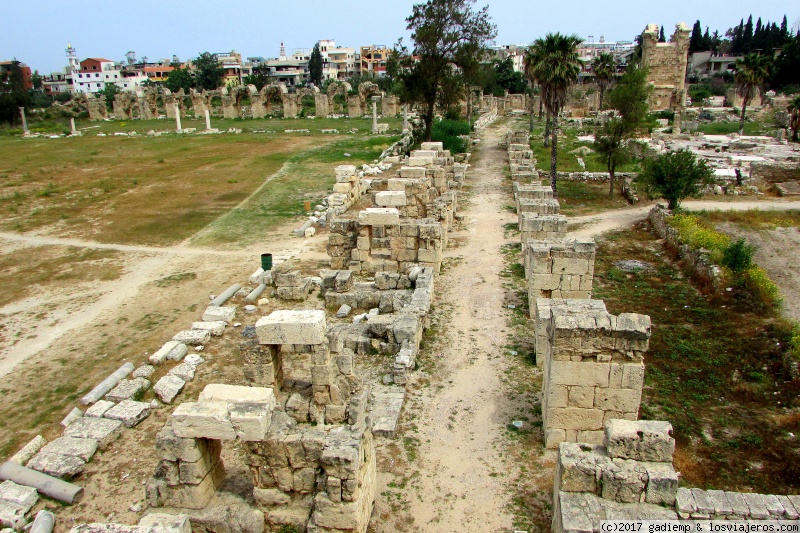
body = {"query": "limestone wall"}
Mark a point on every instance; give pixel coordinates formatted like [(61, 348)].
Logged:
[(559, 269), (666, 63)]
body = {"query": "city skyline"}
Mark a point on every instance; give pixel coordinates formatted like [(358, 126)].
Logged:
[(186, 29)]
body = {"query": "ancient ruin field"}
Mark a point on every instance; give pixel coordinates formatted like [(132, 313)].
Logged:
[(87, 222)]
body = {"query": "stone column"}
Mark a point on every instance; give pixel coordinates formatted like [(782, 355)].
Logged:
[(24, 120), (177, 117), (375, 114), (405, 117), (208, 120), (72, 128)]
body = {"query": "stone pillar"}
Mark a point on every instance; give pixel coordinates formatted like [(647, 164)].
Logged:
[(375, 114), (72, 125), (593, 367), (24, 120), (208, 120), (177, 118), (405, 117)]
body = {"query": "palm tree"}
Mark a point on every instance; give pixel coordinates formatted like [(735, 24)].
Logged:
[(556, 66), (751, 71), (794, 116), (533, 57), (604, 68)]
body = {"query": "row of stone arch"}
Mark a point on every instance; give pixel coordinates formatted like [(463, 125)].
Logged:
[(272, 100)]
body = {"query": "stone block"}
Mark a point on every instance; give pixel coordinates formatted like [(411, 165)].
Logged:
[(73, 446), (624, 481), (722, 506), (172, 351), (193, 496), (736, 501), (144, 371), (11, 516), (704, 505), (662, 484), (335, 515), (19, 495), (232, 394), (103, 430), (168, 387), (99, 408), (216, 327), (791, 512), (755, 504), (574, 418), (379, 216), (184, 371), (129, 412), (128, 389), (578, 465), (623, 400), (435, 146), (633, 376), (193, 473), (684, 503), (586, 374), (390, 198), (207, 420), (57, 465), (171, 447), (581, 397), (251, 421), (214, 314), (642, 440), (292, 327), (193, 336), (166, 523)]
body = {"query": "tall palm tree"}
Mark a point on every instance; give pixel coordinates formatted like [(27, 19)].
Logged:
[(794, 116), (751, 71), (604, 68), (556, 66), (533, 57)]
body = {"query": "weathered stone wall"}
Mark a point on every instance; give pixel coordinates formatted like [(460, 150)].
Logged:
[(667, 67), (559, 269), (772, 172), (593, 367)]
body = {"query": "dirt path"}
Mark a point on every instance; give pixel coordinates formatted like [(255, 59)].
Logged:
[(59, 315), (592, 225), (459, 420)]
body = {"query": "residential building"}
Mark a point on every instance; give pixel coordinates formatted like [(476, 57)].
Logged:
[(289, 70), (588, 50), (337, 62), (234, 71), (706, 64), (515, 51), (373, 60), (5, 66)]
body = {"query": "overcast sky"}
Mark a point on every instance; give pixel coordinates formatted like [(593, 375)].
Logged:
[(37, 32)]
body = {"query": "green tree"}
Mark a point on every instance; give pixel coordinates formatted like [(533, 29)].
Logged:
[(36, 80), (675, 176), (696, 40), (507, 78), (315, 67), (109, 92), (751, 71), (440, 30), (612, 139), (13, 93), (786, 71), (179, 79), (661, 37), (534, 62), (604, 68), (794, 116), (556, 67), (208, 72)]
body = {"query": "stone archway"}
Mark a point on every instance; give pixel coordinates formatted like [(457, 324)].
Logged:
[(337, 97), (124, 105)]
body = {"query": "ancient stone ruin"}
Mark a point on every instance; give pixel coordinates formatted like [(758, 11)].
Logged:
[(666, 64)]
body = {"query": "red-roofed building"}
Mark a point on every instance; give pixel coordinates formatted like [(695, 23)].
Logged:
[(5, 69)]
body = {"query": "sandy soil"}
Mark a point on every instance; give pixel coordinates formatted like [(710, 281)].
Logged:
[(457, 481)]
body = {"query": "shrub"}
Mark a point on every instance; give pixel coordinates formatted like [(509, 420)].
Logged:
[(675, 176), (756, 280), (697, 236), (738, 256), (448, 131)]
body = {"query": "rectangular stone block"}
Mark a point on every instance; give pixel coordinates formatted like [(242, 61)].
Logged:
[(213, 313), (251, 421), (379, 216), (232, 394), (434, 146), (193, 336), (102, 430), (585, 374), (642, 440), (662, 484), (390, 198), (172, 350), (216, 328), (633, 376), (292, 327), (574, 418), (207, 420), (624, 400)]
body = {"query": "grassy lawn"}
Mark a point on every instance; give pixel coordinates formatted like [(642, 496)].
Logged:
[(724, 128), (567, 162), (578, 198), (270, 125), (717, 369), (155, 190), (306, 176)]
